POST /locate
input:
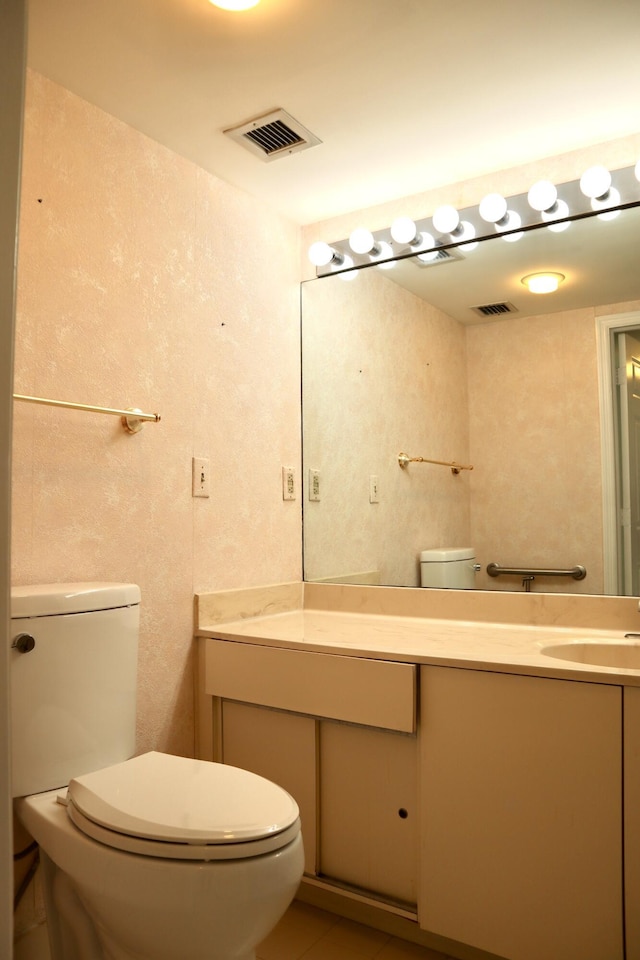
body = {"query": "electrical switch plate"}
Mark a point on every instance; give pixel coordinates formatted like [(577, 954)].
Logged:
[(200, 477), (288, 483), (314, 484), (374, 495)]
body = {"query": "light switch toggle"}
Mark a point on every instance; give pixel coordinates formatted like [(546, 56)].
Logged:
[(200, 473)]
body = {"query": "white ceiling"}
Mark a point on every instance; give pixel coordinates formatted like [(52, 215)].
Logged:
[(405, 95)]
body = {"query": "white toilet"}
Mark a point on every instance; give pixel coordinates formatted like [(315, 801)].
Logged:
[(156, 857), (450, 568)]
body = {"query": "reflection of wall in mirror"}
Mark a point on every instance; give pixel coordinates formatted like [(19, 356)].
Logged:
[(384, 371)]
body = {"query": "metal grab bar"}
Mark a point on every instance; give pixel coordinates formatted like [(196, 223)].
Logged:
[(495, 570), (404, 459), (132, 418)]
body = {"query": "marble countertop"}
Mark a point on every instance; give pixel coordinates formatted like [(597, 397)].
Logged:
[(506, 648)]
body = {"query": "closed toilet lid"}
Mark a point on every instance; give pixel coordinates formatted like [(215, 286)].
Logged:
[(178, 800)]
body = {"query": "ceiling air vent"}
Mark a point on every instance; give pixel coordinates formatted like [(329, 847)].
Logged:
[(272, 135), (442, 256), (494, 309)]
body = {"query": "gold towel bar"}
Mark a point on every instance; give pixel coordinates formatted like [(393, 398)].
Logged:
[(132, 419), (404, 459)]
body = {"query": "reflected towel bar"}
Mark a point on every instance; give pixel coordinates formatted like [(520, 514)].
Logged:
[(132, 419), (404, 459), (495, 570)]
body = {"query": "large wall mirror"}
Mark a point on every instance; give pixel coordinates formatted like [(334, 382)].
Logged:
[(402, 360)]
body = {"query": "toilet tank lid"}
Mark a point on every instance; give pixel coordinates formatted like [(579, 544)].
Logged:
[(49, 599), (447, 555)]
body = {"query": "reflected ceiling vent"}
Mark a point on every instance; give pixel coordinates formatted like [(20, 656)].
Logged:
[(494, 309), (437, 256), (273, 135)]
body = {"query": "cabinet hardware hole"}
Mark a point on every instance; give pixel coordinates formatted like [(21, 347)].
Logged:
[(402, 813)]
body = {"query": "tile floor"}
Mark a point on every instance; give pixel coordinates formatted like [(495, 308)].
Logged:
[(313, 934), (304, 932)]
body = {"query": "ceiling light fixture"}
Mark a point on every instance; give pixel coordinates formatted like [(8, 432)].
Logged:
[(446, 219), (542, 282), (321, 254), (511, 217), (543, 196), (235, 4), (362, 241)]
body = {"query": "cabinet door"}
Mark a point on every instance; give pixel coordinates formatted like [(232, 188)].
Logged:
[(521, 809), (280, 747), (632, 820), (368, 810)]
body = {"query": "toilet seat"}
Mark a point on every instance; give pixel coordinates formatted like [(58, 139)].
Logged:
[(159, 805)]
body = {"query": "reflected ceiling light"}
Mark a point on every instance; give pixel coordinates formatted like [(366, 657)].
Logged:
[(235, 4), (559, 211), (542, 282), (362, 241), (446, 219), (595, 182), (542, 196), (321, 254), (493, 208)]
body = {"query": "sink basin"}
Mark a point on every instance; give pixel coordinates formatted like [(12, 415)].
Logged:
[(623, 654)]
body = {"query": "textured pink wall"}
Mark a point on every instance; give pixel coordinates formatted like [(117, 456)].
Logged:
[(384, 372), (144, 281), (535, 440)]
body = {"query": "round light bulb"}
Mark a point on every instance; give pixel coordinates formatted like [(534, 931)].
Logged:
[(465, 231), (595, 181), (321, 254), (235, 4), (493, 207), (542, 282), (350, 274), (404, 230), (559, 212), (446, 219), (384, 254), (611, 200), (510, 221), (362, 241), (429, 257), (542, 195), (426, 240)]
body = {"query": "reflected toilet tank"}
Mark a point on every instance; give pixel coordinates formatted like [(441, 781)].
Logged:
[(448, 567)]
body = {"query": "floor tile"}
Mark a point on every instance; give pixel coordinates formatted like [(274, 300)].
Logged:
[(301, 926), (357, 937), (398, 949)]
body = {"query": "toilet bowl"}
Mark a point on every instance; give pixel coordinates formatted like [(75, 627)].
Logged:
[(154, 856)]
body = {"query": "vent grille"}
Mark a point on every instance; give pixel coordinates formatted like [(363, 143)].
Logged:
[(273, 135), (442, 256), (494, 309)]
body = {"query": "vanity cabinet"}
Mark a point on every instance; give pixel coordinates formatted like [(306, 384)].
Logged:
[(521, 806), (632, 820), (368, 810), (339, 733)]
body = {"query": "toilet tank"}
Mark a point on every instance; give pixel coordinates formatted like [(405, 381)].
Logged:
[(73, 695), (448, 567)]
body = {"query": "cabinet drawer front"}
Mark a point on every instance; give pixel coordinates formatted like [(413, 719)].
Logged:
[(375, 693)]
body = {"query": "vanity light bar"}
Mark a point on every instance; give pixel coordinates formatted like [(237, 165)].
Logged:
[(598, 192)]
